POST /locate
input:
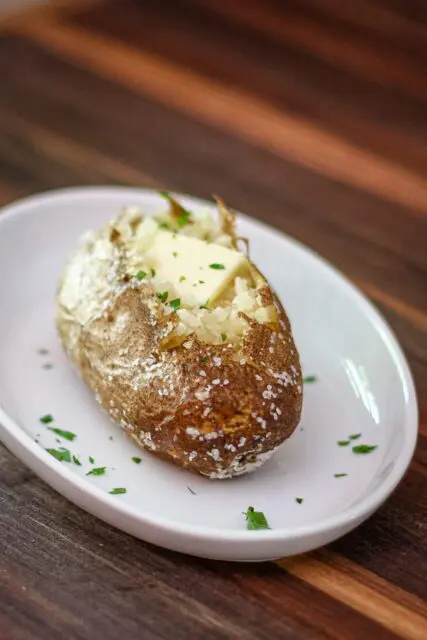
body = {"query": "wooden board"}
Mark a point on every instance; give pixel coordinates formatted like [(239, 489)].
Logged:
[(308, 114)]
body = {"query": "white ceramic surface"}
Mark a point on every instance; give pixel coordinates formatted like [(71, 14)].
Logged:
[(364, 386)]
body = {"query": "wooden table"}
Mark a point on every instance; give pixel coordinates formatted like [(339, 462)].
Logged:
[(308, 114)]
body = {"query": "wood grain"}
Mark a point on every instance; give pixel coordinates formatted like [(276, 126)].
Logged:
[(310, 115)]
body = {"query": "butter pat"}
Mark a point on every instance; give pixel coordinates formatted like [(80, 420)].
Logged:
[(198, 270)]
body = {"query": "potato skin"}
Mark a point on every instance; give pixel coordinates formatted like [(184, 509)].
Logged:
[(213, 409)]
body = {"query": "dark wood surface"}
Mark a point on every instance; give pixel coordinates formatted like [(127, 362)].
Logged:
[(308, 114)]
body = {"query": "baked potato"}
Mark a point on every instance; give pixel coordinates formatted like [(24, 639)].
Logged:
[(181, 339)]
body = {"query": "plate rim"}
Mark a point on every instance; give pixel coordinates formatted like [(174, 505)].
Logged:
[(353, 514)]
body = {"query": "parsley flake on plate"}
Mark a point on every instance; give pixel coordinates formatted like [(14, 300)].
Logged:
[(117, 491), (343, 443), (47, 419), (91, 460), (223, 337), (61, 454), (299, 500), (77, 461), (97, 471), (68, 435), (340, 475), (182, 278), (309, 379), (136, 460), (47, 366), (216, 265), (203, 358), (43, 352), (141, 275), (153, 273), (364, 448), (355, 436), (255, 519)]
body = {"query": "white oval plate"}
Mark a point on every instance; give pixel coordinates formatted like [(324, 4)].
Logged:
[(364, 386)]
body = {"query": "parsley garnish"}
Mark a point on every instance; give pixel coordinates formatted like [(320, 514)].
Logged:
[(68, 435), (299, 500), (340, 475), (141, 275), (117, 491), (46, 419), (61, 454), (136, 460), (182, 278), (223, 337), (153, 272), (175, 304), (48, 365), (175, 254), (201, 282), (309, 379), (43, 352), (77, 461), (91, 460), (364, 448), (203, 358), (255, 519), (355, 436), (343, 443), (163, 296), (216, 265), (97, 471), (164, 225), (183, 220)]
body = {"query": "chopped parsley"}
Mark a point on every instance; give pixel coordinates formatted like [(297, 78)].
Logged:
[(117, 491), (175, 254), (43, 352), (68, 435), (203, 306), (164, 225), (91, 460), (163, 296), (141, 275), (136, 460), (299, 500), (97, 471), (47, 365), (223, 337), (183, 220), (191, 491), (175, 304), (364, 448), (201, 282), (340, 475), (153, 273), (61, 454), (216, 265), (182, 278), (47, 419), (354, 436), (77, 461), (255, 519), (203, 358), (309, 379), (343, 443)]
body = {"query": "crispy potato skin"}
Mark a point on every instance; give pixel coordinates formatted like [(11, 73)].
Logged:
[(212, 409)]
